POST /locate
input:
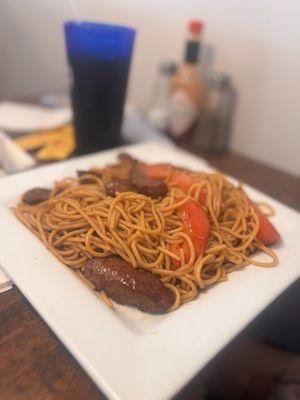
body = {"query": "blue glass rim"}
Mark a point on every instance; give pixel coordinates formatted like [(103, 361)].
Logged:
[(98, 40), (98, 27)]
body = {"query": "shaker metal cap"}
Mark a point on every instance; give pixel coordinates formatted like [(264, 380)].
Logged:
[(219, 79)]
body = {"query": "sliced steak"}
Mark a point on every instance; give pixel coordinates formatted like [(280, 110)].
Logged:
[(81, 172), (127, 285), (36, 196), (118, 186), (126, 158), (87, 181), (150, 187)]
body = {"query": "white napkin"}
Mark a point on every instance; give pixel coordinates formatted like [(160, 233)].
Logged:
[(20, 118), (12, 157), (5, 282)]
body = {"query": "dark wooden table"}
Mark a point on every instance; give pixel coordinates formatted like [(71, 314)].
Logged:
[(35, 365)]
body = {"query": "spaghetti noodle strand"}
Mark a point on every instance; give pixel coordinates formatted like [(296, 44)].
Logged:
[(80, 221)]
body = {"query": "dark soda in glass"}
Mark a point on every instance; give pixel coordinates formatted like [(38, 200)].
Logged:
[(99, 56)]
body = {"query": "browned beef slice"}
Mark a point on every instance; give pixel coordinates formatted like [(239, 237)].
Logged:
[(36, 196), (118, 186), (150, 187), (127, 285)]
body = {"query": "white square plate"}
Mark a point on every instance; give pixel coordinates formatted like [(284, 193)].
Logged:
[(132, 355)]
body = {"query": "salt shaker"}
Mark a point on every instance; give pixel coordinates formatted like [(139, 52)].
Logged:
[(214, 127), (158, 109)]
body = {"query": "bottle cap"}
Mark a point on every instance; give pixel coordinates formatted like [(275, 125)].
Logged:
[(167, 66), (195, 26), (219, 79)]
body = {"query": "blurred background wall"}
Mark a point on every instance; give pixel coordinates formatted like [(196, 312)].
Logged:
[(256, 42)]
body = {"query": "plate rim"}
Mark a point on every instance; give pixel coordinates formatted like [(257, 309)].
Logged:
[(50, 320)]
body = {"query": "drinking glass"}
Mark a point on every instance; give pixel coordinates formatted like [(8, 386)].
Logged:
[(99, 56)]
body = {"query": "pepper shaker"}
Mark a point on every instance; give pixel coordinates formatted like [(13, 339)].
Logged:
[(214, 128)]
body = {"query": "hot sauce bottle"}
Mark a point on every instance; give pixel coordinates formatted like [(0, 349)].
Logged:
[(187, 87)]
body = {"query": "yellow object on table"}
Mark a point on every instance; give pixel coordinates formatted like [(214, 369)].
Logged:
[(53, 145)]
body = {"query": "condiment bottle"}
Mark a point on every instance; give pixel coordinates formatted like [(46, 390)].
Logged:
[(214, 126), (187, 90), (158, 110)]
